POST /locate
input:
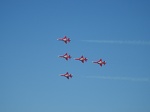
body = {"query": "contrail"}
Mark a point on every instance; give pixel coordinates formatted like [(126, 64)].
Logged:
[(120, 78), (139, 42)]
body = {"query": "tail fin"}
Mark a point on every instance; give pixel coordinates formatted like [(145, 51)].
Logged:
[(104, 62), (71, 76), (69, 56), (86, 59), (69, 40)]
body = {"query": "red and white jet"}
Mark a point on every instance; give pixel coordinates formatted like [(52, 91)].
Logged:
[(67, 75), (82, 59), (66, 56), (100, 62), (65, 39)]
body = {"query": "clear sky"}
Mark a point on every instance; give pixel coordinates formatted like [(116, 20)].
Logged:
[(118, 31)]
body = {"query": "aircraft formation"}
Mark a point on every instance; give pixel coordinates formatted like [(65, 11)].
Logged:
[(83, 59)]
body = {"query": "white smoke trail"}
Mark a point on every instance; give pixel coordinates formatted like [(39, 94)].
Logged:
[(120, 78), (119, 42)]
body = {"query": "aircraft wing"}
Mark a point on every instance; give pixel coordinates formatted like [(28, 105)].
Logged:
[(100, 65)]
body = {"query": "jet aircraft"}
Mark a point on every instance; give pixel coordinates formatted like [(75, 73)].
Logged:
[(82, 59), (66, 56), (67, 75), (100, 62), (65, 39)]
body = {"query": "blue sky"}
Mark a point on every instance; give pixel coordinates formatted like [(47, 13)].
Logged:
[(117, 31)]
